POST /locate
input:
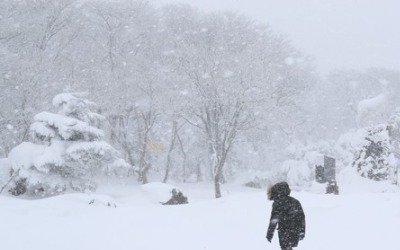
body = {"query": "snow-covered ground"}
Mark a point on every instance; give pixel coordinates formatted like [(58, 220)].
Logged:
[(131, 217)]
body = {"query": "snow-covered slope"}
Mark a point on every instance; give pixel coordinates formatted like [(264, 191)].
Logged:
[(367, 221)]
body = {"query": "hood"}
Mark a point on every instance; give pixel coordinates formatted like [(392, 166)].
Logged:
[(278, 190)]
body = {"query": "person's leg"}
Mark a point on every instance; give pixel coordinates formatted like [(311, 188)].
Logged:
[(287, 239), (284, 240)]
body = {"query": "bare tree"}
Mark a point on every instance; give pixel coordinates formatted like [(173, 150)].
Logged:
[(236, 69)]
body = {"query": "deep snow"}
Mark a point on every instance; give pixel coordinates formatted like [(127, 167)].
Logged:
[(366, 219)]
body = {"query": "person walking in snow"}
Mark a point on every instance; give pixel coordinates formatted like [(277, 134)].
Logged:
[(288, 215)]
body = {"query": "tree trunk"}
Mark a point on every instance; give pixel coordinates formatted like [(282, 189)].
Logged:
[(184, 159), (144, 166), (218, 176), (171, 148), (143, 173), (217, 185), (199, 173)]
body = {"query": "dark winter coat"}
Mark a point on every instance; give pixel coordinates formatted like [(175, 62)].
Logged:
[(288, 215)]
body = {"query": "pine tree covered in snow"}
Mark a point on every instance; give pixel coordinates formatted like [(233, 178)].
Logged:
[(67, 151), (375, 158)]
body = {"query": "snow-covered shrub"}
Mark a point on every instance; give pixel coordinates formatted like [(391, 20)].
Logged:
[(299, 167), (374, 158), (258, 182), (299, 173), (67, 151), (346, 147)]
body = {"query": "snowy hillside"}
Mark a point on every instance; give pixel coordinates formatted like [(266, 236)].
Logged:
[(353, 220)]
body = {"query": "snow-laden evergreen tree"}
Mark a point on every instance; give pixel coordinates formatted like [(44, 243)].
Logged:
[(67, 151), (374, 158)]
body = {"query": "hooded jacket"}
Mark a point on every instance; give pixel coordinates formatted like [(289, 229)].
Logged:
[(287, 214)]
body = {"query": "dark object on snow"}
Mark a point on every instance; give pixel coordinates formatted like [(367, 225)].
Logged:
[(320, 174), (288, 215), (257, 183), (253, 184), (332, 187), (176, 199), (327, 171), (327, 174), (329, 165)]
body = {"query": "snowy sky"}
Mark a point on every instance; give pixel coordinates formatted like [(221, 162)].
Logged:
[(336, 33)]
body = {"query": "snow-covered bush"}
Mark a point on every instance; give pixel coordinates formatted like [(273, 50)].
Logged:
[(67, 151), (258, 182), (374, 158), (346, 147), (299, 167)]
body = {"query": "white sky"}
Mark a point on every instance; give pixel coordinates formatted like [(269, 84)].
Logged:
[(336, 33)]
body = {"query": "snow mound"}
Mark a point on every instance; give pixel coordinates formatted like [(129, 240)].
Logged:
[(349, 181), (95, 200)]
